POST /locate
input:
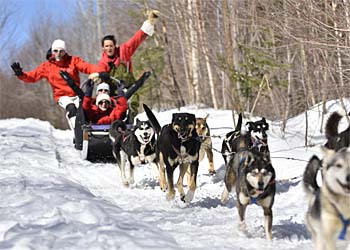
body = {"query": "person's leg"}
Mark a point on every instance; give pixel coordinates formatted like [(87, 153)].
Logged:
[(71, 113), (75, 117)]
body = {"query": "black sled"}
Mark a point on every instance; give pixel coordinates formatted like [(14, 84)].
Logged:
[(92, 140)]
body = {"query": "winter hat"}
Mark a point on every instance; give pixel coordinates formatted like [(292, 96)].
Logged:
[(102, 97), (102, 86), (58, 44)]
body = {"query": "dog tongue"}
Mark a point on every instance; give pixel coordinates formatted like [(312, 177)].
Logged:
[(258, 191)]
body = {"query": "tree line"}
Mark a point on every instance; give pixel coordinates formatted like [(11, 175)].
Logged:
[(271, 58)]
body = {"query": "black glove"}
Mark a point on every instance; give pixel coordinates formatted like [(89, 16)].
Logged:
[(17, 68), (48, 54), (104, 76), (71, 83), (88, 87)]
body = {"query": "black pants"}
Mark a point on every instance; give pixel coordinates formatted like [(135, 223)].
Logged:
[(79, 122)]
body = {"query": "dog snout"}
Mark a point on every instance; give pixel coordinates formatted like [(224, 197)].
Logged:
[(261, 185)]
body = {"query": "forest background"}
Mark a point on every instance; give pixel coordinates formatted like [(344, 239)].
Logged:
[(271, 58)]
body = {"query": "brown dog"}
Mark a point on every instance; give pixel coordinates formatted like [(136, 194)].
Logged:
[(203, 132)]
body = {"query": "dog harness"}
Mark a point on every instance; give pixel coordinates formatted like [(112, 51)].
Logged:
[(346, 223)]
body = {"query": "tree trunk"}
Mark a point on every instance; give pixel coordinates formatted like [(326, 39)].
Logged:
[(194, 51), (204, 48)]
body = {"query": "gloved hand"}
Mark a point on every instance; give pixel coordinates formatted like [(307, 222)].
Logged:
[(104, 76), (88, 87), (48, 54), (153, 16), (17, 68), (95, 77)]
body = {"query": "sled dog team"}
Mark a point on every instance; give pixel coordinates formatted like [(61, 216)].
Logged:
[(186, 140)]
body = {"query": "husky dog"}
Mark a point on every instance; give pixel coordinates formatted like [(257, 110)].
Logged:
[(177, 145), (203, 132), (328, 216), (136, 146), (252, 175), (255, 136), (336, 140)]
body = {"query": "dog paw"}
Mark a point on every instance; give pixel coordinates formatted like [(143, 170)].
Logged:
[(163, 187), (170, 196), (189, 196), (242, 226), (182, 197), (224, 196), (126, 184)]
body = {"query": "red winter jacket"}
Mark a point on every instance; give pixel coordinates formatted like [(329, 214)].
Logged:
[(51, 68), (96, 115), (124, 52)]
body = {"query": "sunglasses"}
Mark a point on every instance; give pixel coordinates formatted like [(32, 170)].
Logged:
[(59, 51), (103, 90), (103, 102)]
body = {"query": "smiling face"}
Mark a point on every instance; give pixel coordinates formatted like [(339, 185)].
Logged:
[(336, 171), (109, 48), (58, 53), (143, 131)]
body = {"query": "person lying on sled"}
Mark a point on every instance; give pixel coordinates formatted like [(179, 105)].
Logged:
[(116, 59), (102, 88), (58, 59), (102, 111)]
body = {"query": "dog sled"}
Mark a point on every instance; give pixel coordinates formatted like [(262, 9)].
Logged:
[(92, 140)]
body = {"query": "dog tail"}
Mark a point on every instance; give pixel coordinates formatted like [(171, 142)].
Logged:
[(152, 119), (332, 124), (332, 128), (310, 174), (117, 127)]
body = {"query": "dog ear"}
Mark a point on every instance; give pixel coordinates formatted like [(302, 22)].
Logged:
[(206, 117), (249, 126), (174, 117), (310, 174), (192, 118)]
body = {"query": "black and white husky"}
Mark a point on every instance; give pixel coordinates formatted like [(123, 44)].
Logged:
[(328, 216), (251, 174), (137, 146)]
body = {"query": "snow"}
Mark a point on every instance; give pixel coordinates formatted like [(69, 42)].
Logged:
[(51, 199)]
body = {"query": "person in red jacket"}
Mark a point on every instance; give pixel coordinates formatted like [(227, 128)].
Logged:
[(103, 112), (50, 70), (116, 60)]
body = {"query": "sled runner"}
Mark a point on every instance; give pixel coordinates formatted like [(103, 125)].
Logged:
[(92, 140)]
